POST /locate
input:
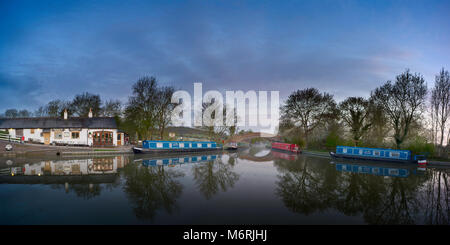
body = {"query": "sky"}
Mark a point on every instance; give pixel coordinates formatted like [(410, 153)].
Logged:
[(57, 49)]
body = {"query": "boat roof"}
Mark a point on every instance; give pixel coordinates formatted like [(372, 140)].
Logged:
[(176, 141), (55, 122), (381, 149)]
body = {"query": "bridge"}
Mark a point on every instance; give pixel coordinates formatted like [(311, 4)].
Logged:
[(249, 136), (270, 156)]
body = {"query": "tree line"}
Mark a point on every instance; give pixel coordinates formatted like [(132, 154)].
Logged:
[(79, 106), (397, 114), (393, 116)]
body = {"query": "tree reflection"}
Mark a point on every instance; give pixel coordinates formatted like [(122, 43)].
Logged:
[(398, 204), (152, 188), (437, 192), (313, 185), (214, 176), (86, 188), (302, 189)]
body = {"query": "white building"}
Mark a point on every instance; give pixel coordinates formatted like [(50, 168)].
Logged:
[(83, 131)]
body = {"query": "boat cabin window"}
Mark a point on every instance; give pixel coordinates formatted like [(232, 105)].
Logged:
[(393, 172), (395, 154)]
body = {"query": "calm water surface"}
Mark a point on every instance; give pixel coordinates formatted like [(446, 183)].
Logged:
[(255, 186)]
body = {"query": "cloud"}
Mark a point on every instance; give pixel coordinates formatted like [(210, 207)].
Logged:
[(105, 48)]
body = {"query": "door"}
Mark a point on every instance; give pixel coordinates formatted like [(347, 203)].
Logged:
[(119, 139), (103, 138), (46, 138)]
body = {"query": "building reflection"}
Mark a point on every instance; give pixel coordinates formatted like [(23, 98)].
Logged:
[(84, 177), (69, 167)]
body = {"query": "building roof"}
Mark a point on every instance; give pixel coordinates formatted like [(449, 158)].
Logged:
[(54, 122)]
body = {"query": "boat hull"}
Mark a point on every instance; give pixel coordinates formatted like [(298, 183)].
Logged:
[(285, 147), (366, 158), (231, 148)]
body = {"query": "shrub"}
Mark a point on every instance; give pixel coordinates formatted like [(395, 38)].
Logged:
[(420, 146)]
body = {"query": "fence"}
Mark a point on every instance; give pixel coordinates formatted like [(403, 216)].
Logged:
[(7, 137)]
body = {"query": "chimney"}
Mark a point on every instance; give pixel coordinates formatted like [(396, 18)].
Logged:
[(65, 114), (90, 113)]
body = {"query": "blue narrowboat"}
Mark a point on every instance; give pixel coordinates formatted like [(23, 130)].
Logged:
[(158, 146), (377, 154)]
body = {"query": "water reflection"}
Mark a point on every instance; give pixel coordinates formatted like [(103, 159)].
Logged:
[(152, 188), (67, 167), (173, 187), (382, 195), (214, 176), (437, 193), (155, 185)]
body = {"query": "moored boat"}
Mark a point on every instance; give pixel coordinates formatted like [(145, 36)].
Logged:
[(286, 147), (157, 146), (377, 154), (231, 146)]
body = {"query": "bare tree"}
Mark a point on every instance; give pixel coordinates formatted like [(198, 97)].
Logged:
[(440, 103), (355, 113), (55, 108), (111, 108), (83, 103), (140, 110), (308, 109), (164, 107), (402, 102)]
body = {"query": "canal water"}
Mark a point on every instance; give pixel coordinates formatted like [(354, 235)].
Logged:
[(253, 186)]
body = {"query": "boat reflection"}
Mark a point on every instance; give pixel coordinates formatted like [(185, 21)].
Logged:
[(374, 170), (284, 155), (172, 161)]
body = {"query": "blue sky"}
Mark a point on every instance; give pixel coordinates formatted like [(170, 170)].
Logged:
[(56, 49)]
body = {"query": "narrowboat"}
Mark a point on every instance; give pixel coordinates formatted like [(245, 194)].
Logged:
[(157, 146), (286, 147), (231, 146), (377, 154)]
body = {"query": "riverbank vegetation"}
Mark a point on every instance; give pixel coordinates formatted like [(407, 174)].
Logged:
[(399, 114)]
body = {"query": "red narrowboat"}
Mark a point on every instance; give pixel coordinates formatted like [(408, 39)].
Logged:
[(286, 147)]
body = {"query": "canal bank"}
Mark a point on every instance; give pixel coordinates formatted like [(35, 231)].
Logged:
[(26, 149)]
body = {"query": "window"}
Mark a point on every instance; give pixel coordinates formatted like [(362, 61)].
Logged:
[(58, 134), (32, 131), (75, 135), (118, 136), (376, 153), (395, 154)]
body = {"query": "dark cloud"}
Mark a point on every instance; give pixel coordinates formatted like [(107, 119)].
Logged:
[(104, 48)]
